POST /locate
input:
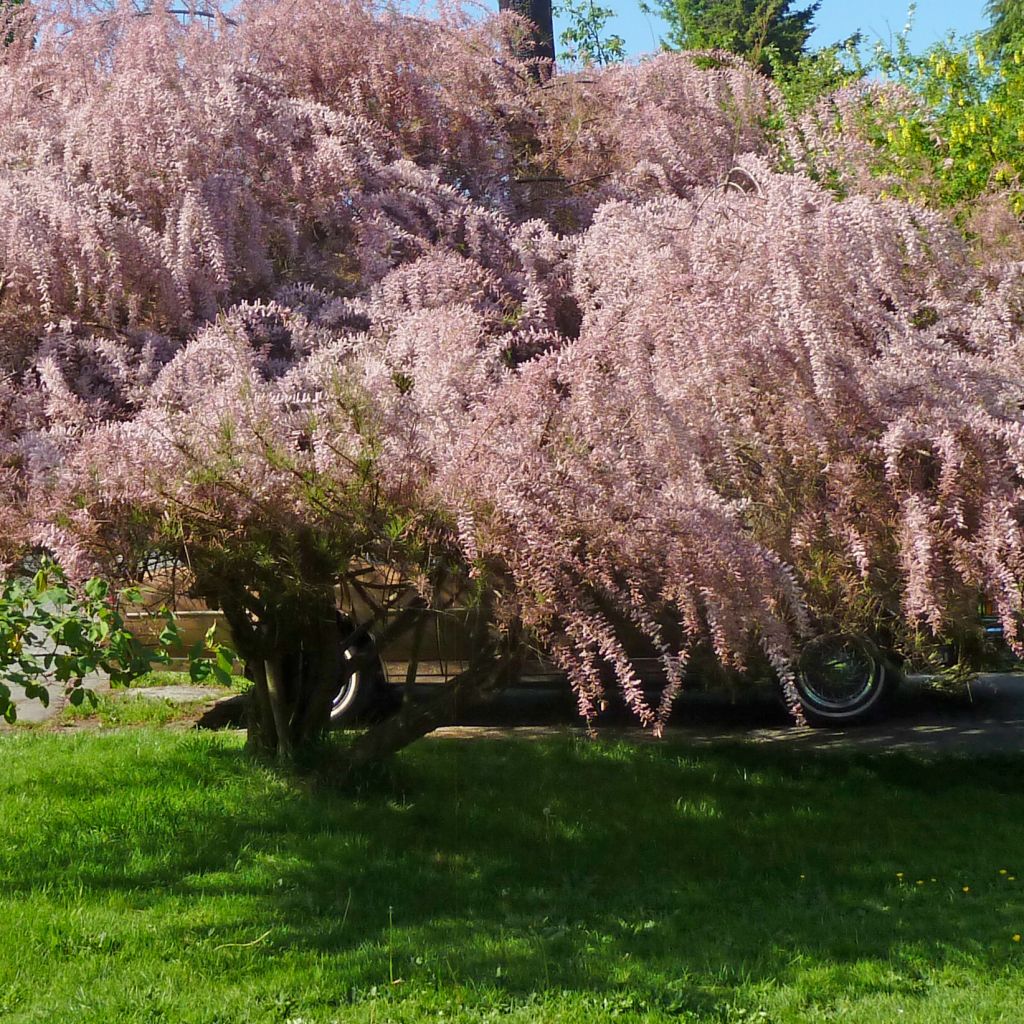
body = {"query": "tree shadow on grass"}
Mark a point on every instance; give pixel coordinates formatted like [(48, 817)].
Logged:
[(519, 866)]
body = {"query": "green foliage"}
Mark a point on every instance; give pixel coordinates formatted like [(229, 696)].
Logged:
[(818, 72), (584, 40), (950, 131), (768, 32), (50, 632), (971, 129), (1005, 36), (216, 666)]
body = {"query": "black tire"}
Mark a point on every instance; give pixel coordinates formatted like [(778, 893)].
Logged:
[(362, 676), (842, 680)]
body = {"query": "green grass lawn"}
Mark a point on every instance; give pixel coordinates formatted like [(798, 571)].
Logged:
[(111, 710), (172, 677), (125, 706), (154, 876)]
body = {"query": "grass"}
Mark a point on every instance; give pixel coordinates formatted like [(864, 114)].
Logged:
[(167, 677), (123, 707), (112, 710), (153, 876)]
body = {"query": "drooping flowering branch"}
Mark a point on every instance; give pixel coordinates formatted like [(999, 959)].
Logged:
[(274, 301)]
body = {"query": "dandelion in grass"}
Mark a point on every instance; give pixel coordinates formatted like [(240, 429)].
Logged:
[(1016, 936)]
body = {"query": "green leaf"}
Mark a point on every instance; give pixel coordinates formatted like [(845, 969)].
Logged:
[(41, 580), (169, 635), (69, 632), (223, 666), (200, 670)]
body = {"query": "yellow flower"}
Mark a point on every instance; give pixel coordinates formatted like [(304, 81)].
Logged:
[(920, 881), (1016, 937), (967, 888), (1002, 871), (899, 874)]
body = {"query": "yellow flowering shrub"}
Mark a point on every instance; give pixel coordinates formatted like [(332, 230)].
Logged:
[(944, 128)]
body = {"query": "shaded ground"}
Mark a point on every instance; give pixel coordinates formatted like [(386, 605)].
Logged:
[(985, 717)]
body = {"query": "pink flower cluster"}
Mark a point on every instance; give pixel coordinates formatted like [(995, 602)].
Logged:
[(322, 282)]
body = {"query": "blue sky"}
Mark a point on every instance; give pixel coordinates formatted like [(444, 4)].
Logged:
[(837, 19)]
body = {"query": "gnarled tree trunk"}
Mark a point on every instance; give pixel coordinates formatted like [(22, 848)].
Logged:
[(293, 657), (490, 673), (292, 650)]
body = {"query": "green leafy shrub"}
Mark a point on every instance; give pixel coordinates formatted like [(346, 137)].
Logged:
[(50, 631), (944, 128)]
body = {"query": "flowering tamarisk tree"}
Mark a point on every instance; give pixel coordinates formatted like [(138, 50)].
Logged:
[(309, 291)]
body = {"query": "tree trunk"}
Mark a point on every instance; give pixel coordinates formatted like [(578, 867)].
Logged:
[(295, 666), (261, 731), (487, 676), (293, 655), (541, 42)]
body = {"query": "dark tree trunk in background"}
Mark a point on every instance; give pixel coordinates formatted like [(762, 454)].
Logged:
[(538, 12)]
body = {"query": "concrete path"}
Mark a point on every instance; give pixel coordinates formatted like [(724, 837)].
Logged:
[(33, 710)]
